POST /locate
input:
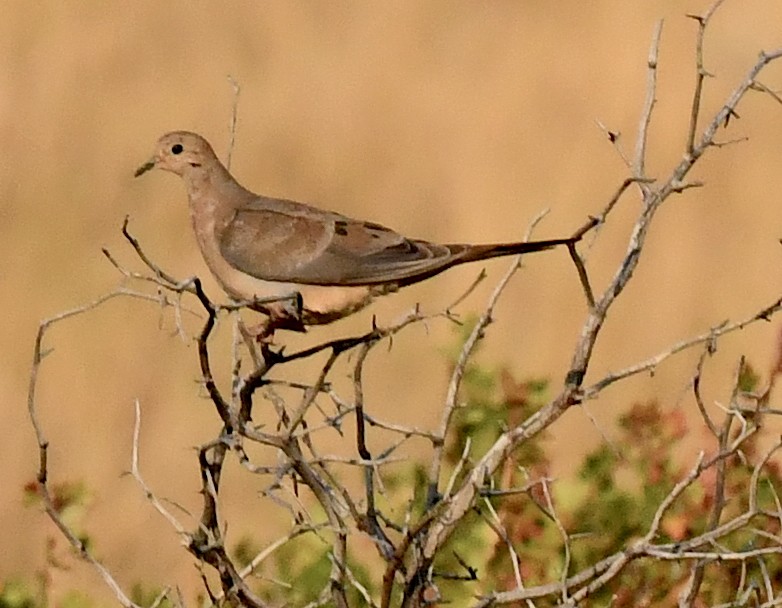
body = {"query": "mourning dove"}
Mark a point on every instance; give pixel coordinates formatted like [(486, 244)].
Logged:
[(326, 265)]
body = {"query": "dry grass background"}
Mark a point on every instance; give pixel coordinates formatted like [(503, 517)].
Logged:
[(447, 120)]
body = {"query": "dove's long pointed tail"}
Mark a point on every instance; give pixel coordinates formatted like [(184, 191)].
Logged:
[(474, 253)]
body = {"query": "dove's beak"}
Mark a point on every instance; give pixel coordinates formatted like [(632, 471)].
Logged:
[(150, 164)]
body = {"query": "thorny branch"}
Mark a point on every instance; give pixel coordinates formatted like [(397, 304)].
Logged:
[(653, 197)]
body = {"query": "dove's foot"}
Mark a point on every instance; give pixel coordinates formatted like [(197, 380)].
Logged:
[(263, 332), (283, 314)]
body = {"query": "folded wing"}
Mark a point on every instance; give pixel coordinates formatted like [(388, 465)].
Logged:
[(279, 240)]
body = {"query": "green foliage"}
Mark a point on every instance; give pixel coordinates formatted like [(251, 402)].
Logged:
[(244, 551), (143, 595), (303, 565), (76, 599), (748, 378), (298, 571), (16, 593), (20, 593), (611, 501), (71, 499)]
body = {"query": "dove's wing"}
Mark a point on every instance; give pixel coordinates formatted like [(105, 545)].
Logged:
[(280, 240)]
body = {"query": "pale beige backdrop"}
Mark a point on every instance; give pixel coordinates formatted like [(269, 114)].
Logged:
[(447, 120)]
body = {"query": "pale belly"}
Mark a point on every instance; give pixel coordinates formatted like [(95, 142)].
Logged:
[(320, 303)]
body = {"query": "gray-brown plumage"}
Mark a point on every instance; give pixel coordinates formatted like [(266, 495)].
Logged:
[(261, 247)]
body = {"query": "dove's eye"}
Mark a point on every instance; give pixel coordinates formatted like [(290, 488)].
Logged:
[(177, 149)]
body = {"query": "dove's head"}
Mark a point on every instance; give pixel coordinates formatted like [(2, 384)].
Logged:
[(180, 152)]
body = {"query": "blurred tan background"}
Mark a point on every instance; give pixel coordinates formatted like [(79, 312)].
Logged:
[(451, 121)]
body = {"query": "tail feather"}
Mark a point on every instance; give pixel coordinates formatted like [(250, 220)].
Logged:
[(458, 254), (473, 253)]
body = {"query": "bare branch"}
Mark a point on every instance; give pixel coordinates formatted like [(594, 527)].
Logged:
[(150, 495), (639, 168), (700, 73)]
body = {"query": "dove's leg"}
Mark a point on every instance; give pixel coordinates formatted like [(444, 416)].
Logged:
[(285, 314)]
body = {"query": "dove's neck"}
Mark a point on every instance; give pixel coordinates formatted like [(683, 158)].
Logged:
[(218, 185), (214, 196)]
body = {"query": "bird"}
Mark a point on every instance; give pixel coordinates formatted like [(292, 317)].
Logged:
[(298, 264)]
